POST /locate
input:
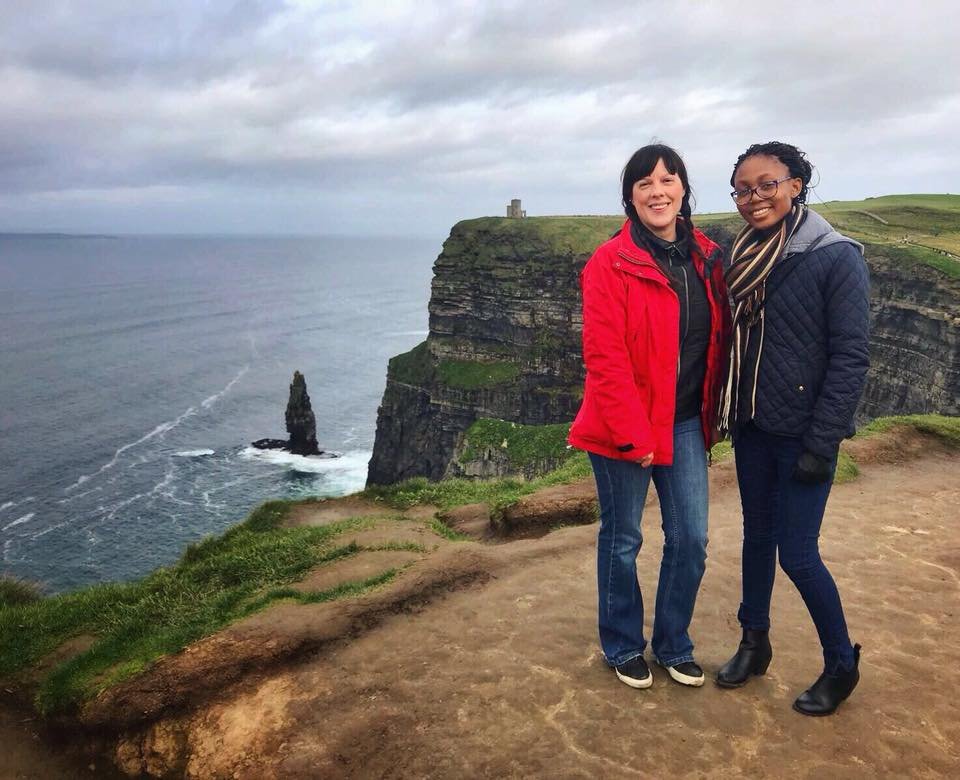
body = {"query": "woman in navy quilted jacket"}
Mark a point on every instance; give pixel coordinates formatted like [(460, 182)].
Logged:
[(798, 364)]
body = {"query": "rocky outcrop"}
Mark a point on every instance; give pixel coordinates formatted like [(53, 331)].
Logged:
[(301, 423), (504, 341)]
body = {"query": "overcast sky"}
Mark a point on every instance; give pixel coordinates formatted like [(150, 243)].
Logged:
[(401, 118)]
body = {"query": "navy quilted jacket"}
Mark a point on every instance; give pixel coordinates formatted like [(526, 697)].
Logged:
[(816, 340)]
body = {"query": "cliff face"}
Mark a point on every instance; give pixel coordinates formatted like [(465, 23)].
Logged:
[(504, 339), (914, 341)]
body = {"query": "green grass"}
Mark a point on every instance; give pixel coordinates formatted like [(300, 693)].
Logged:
[(216, 582), (523, 444), (847, 469), (476, 375), (567, 235), (909, 229), (946, 429), (721, 450), (413, 367), (442, 529), (14, 591), (450, 493)]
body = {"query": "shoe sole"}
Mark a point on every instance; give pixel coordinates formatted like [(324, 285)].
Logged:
[(683, 679), (823, 714), (744, 681), (732, 685), (633, 682)]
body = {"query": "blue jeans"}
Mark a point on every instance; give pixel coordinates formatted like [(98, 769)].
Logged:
[(781, 514), (621, 490)]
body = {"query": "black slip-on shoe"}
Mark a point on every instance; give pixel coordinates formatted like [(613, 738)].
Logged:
[(686, 673), (635, 673)]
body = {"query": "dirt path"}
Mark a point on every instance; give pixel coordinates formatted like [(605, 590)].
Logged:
[(498, 673), (26, 755)]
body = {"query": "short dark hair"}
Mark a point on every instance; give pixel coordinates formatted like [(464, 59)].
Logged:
[(642, 163), (796, 161)]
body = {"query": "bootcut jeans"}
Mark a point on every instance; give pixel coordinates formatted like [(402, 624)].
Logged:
[(782, 514), (622, 489)]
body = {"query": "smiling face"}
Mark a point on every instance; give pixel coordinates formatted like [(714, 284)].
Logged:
[(657, 199), (753, 171)]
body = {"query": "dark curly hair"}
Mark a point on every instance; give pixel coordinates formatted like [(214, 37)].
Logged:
[(796, 161), (641, 164)]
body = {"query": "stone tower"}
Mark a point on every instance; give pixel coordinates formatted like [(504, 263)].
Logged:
[(514, 210)]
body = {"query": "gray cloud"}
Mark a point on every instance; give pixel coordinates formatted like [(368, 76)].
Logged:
[(318, 116)]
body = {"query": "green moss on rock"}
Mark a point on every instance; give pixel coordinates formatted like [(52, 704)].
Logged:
[(477, 375), (523, 444), (413, 367)]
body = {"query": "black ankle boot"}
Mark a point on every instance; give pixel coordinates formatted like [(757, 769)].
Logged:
[(752, 658), (825, 695)]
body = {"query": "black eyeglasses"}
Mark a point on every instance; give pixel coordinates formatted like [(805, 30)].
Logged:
[(765, 190)]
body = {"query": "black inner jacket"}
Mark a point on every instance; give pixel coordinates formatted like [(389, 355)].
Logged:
[(675, 261)]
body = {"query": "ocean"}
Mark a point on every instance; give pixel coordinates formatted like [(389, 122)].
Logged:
[(135, 372)]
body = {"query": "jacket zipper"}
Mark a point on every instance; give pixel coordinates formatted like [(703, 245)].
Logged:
[(686, 324)]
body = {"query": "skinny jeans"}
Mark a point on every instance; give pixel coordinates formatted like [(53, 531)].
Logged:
[(782, 515)]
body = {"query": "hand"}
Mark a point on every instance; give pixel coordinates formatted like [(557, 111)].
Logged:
[(646, 460), (812, 469)]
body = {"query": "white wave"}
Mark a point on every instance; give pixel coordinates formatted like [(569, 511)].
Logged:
[(206, 403), (19, 521), (125, 503), (9, 504), (76, 496), (193, 453), (222, 486), (344, 474), (167, 480), (45, 531), (158, 431), (6, 550), (407, 333)]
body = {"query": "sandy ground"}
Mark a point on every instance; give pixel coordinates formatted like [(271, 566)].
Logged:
[(494, 670)]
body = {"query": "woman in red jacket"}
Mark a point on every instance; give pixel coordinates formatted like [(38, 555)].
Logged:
[(656, 327)]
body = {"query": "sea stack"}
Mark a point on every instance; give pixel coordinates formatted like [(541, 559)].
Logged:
[(301, 423)]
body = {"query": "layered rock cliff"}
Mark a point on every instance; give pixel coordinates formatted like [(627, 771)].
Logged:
[(504, 339), (915, 338)]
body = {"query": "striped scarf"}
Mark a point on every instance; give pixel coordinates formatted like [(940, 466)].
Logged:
[(752, 258)]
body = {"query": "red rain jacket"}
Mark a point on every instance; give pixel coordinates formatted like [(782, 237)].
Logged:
[(631, 349)]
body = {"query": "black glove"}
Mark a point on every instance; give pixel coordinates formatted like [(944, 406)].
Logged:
[(812, 469)]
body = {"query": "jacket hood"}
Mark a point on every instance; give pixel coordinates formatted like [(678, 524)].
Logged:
[(812, 228)]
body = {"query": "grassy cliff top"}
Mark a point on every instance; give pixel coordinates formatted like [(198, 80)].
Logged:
[(568, 235), (922, 228), (907, 228)]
